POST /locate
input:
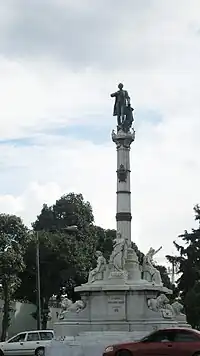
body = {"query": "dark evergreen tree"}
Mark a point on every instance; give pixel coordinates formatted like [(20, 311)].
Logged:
[(188, 263)]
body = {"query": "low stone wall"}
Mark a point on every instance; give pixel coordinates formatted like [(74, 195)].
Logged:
[(21, 318)]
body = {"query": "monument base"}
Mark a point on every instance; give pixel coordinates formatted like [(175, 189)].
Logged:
[(90, 338), (117, 308), (141, 327)]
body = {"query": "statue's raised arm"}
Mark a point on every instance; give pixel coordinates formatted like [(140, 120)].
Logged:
[(114, 94), (148, 258), (157, 250)]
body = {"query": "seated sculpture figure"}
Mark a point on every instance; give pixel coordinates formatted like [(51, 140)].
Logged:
[(97, 272), (150, 273)]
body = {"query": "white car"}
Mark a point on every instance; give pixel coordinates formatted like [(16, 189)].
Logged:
[(27, 343)]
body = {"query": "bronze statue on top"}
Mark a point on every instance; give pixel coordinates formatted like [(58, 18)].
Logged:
[(123, 109)]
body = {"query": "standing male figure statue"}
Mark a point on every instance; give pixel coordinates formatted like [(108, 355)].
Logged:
[(122, 101)]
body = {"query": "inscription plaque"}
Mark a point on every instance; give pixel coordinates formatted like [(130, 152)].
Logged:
[(116, 307)]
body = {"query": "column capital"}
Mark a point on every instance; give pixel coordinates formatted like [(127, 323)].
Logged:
[(123, 139)]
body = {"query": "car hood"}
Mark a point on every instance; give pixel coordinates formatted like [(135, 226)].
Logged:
[(126, 344)]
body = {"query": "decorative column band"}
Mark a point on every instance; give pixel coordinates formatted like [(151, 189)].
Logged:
[(122, 167), (123, 216), (123, 192)]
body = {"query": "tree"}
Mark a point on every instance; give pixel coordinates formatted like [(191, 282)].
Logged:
[(188, 262), (65, 257), (192, 305), (70, 209), (61, 258), (105, 239), (13, 235), (164, 275)]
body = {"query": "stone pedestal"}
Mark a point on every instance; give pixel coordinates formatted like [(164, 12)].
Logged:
[(132, 266), (116, 308)]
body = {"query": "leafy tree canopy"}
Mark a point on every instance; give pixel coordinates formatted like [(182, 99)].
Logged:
[(65, 256), (188, 263), (13, 239)]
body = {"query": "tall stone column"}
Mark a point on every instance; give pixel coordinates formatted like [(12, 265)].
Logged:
[(123, 142)]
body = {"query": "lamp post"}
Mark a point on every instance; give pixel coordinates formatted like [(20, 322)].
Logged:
[(173, 271), (38, 283)]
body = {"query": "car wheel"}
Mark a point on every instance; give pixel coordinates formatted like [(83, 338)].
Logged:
[(39, 351), (123, 353), (1, 353)]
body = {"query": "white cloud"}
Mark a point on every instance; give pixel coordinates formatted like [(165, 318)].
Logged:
[(164, 184), (157, 57)]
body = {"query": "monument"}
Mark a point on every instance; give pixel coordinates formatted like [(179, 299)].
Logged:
[(121, 295)]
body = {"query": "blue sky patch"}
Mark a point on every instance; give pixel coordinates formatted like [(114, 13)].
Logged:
[(20, 142)]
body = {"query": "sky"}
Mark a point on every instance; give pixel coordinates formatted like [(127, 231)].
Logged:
[(59, 62)]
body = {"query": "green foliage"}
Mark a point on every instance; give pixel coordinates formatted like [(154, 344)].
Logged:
[(12, 229), (65, 256), (188, 263), (70, 209), (105, 240), (13, 236), (192, 305), (165, 276)]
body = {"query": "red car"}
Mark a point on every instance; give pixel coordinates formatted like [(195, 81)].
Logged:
[(165, 342)]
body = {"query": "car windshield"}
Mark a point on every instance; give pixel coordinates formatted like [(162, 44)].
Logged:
[(145, 338), (196, 331), (149, 336), (17, 338)]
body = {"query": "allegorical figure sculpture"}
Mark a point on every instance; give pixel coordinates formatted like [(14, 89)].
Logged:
[(119, 254), (150, 273), (68, 306), (178, 308), (156, 304), (122, 109), (161, 304), (178, 312), (97, 272)]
